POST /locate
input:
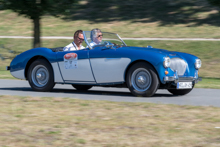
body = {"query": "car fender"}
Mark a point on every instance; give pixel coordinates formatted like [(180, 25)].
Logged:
[(21, 62), (153, 58)]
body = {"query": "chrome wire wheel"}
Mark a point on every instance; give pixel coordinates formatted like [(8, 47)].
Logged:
[(141, 79), (40, 75)]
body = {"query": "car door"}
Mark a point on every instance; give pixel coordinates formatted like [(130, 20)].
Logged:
[(108, 65), (75, 66)]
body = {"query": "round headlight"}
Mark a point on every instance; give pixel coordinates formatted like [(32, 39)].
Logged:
[(166, 62), (198, 63)]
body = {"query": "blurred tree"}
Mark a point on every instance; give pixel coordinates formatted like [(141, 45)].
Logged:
[(35, 9), (214, 2)]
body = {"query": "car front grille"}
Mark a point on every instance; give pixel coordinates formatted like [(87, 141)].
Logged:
[(179, 65)]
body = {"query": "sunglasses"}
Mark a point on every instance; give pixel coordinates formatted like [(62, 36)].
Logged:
[(99, 36), (80, 39)]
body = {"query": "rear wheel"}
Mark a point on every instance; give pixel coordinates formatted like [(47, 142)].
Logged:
[(142, 80), (40, 75), (82, 87)]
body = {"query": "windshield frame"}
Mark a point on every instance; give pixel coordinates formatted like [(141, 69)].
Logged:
[(90, 47)]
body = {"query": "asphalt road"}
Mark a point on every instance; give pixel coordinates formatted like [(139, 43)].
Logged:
[(197, 97)]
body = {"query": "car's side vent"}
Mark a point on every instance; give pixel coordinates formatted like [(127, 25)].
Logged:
[(179, 65)]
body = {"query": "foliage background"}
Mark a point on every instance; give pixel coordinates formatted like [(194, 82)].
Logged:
[(131, 18)]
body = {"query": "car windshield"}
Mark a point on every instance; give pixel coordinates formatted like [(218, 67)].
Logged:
[(107, 39)]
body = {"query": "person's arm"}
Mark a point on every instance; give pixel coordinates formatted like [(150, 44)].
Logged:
[(68, 47)]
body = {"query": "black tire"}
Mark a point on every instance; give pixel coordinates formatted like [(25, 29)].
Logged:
[(142, 80), (82, 87), (179, 91), (41, 76)]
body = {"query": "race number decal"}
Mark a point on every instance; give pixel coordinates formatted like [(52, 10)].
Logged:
[(70, 61)]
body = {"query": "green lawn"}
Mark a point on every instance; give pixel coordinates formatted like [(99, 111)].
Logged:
[(213, 83), (6, 75), (133, 18), (55, 122)]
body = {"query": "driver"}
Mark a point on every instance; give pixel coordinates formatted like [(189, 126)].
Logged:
[(96, 37), (77, 43)]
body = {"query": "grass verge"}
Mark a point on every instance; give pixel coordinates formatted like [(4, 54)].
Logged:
[(6, 75), (213, 83), (35, 121)]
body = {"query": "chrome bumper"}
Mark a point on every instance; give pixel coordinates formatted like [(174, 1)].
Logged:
[(182, 79), (176, 78)]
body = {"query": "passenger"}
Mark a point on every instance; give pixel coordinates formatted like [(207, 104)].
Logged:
[(77, 43), (96, 37)]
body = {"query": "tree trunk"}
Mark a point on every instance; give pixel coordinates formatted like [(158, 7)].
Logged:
[(36, 41)]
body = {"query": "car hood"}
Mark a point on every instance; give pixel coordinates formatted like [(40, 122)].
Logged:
[(170, 54)]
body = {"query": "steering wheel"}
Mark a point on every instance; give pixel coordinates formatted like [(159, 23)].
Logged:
[(106, 43), (117, 46)]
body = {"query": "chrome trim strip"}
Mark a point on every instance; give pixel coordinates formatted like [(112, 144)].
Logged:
[(92, 83), (57, 74), (181, 79), (92, 70), (166, 78), (121, 39), (79, 82), (86, 40), (186, 78), (176, 76)]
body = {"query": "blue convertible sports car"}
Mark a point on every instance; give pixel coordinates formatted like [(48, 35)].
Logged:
[(111, 63)]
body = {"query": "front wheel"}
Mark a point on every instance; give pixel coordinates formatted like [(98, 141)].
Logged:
[(40, 75), (142, 80)]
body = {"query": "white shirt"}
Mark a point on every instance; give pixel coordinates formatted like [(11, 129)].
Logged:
[(72, 46), (92, 44)]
